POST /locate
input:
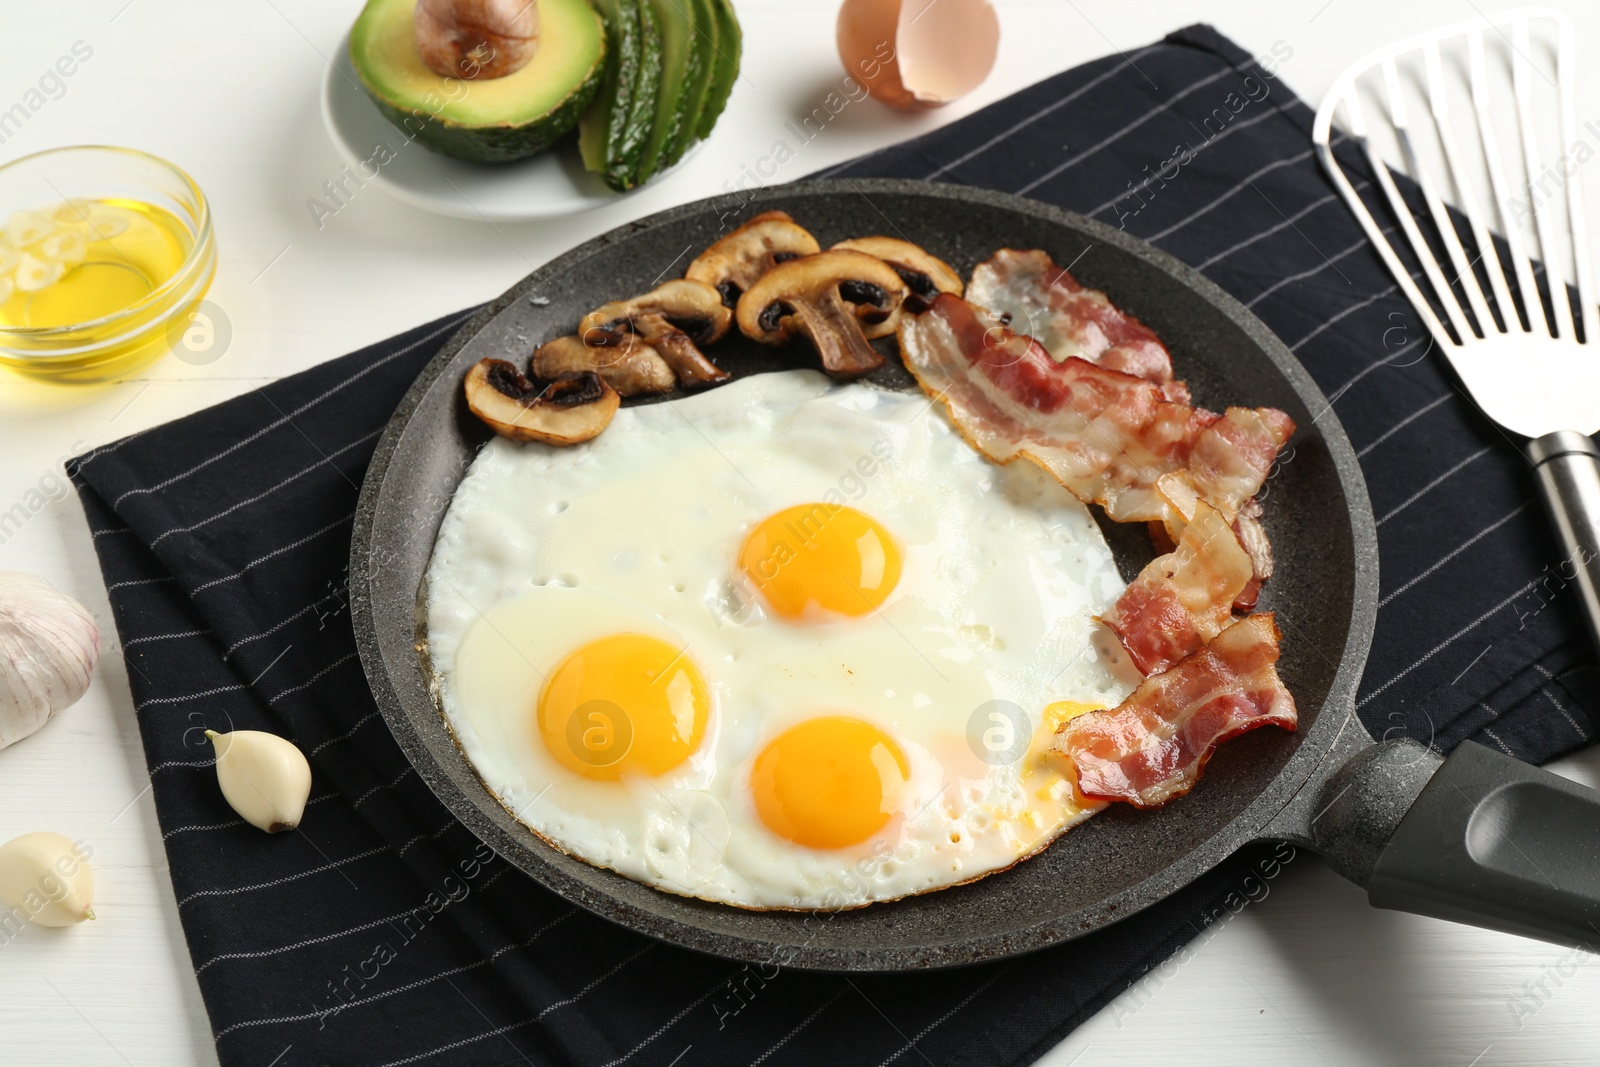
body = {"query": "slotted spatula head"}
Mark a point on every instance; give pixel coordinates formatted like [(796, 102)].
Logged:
[(1484, 166)]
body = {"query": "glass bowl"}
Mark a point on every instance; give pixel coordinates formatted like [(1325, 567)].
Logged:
[(37, 336)]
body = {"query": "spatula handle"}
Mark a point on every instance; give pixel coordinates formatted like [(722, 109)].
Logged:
[(1568, 466)]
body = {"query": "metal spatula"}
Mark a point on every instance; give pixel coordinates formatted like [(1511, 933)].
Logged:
[(1529, 361)]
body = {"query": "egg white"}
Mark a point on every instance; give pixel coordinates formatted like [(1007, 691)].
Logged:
[(544, 549)]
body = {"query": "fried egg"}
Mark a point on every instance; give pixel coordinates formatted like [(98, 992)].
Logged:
[(784, 644)]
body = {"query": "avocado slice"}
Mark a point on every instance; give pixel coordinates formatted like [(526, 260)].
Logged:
[(600, 130), (704, 22), (730, 43), (641, 113), (613, 135), (488, 121), (683, 57)]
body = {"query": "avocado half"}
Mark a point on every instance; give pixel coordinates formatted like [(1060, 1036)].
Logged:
[(488, 121)]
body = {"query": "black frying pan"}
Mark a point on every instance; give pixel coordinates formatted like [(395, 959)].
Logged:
[(1482, 838)]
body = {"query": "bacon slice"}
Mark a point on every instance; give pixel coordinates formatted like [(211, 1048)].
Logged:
[(1228, 462), (1234, 455), (1253, 536), (1154, 745), (1045, 302), (1103, 434), (1109, 437), (1185, 598)]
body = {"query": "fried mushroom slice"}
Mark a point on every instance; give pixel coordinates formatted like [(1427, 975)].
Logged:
[(566, 411), (925, 275), (673, 319), (829, 298), (631, 367), (736, 262)]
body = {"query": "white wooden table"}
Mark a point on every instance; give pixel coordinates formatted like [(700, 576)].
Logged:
[(1309, 975)]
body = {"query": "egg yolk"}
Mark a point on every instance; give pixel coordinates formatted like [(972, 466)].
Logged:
[(827, 557), (624, 704), (1063, 711), (828, 782)]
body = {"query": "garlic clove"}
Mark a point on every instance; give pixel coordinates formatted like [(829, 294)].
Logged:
[(23, 228), (65, 246), (46, 878), (72, 212), (264, 778), (107, 222), (48, 647), (34, 273)]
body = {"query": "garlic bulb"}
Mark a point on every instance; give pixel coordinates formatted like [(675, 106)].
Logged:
[(46, 878), (48, 645), (263, 777)]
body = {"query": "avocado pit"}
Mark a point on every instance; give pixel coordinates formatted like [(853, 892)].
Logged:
[(476, 39)]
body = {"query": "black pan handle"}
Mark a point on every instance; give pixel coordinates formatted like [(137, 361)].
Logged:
[(1478, 838)]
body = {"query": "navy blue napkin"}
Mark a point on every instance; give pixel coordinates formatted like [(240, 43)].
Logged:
[(383, 933)]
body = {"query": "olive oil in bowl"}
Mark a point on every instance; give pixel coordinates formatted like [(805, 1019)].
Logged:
[(93, 286), (89, 259)]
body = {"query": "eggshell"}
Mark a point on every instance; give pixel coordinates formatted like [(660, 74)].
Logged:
[(914, 54)]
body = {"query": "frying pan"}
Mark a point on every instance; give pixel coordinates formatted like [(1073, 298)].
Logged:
[(1478, 838)]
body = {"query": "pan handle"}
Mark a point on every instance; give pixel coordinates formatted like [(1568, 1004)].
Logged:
[(1478, 838)]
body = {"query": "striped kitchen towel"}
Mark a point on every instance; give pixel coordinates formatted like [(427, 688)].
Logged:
[(383, 933)]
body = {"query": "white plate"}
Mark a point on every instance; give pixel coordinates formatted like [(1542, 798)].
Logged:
[(543, 186)]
